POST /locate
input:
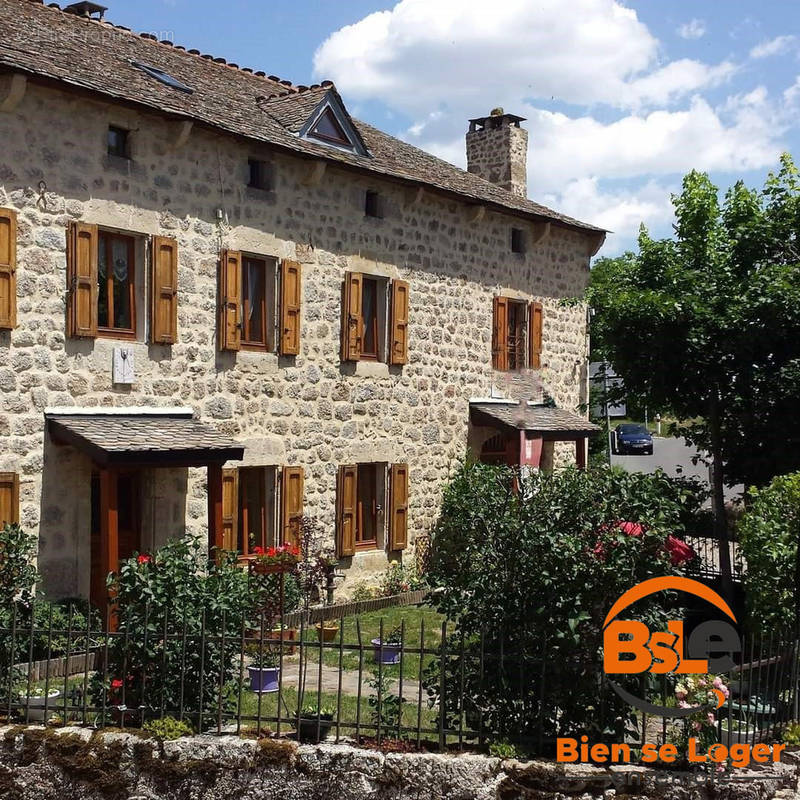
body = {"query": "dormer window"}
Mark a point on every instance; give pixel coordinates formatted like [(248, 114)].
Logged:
[(329, 130), (330, 125)]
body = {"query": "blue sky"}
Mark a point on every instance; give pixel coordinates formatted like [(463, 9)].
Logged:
[(622, 98)]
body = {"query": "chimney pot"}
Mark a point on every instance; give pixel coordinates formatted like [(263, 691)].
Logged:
[(497, 150)]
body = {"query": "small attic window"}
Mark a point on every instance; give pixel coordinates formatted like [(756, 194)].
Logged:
[(163, 77), (517, 240), (328, 129), (373, 204)]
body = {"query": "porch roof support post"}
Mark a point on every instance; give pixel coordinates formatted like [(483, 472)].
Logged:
[(580, 453), (214, 479), (109, 537), (530, 449)]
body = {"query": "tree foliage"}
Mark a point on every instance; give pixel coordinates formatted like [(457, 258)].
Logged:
[(706, 325)]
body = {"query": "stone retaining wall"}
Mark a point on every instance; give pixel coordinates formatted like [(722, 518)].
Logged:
[(76, 764)]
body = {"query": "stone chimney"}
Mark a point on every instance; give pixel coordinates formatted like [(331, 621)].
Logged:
[(497, 151)]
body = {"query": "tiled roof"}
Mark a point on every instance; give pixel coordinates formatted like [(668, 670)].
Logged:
[(92, 55), (536, 418), (136, 439)]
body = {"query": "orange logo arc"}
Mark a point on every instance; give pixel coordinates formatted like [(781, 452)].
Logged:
[(653, 585)]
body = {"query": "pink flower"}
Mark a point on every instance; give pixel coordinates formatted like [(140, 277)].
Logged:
[(711, 718), (680, 695), (599, 552), (679, 551), (631, 528), (683, 704), (696, 725)]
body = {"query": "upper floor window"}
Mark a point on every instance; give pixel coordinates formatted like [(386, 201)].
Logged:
[(118, 142), (259, 174), (374, 319), (373, 204), (517, 240), (516, 334), (259, 303)]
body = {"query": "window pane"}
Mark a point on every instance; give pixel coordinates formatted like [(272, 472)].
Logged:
[(254, 299), (121, 275), (251, 510), (369, 312), (329, 128), (516, 335), (367, 524), (102, 281)]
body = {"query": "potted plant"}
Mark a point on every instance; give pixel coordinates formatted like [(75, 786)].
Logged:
[(315, 723), (36, 704), (387, 650), (264, 668), (275, 559), (327, 631)]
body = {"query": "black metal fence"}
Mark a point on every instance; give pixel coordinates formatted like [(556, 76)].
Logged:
[(424, 686)]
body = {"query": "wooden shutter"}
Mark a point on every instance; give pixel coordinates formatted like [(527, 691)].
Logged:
[(399, 323), (290, 308), (346, 499), (230, 509), (291, 504), (351, 317), (8, 268), (82, 280), (163, 290), (536, 315), (9, 498), (500, 334), (398, 506), (230, 300)]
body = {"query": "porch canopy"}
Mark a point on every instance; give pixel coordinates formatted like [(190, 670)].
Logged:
[(535, 423), (124, 439)]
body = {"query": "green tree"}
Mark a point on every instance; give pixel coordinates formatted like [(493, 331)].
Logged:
[(706, 327)]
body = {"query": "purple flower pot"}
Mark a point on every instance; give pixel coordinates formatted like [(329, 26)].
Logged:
[(264, 679), (389, 655)]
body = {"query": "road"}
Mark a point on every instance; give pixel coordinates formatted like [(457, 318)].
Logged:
[(674, 456)]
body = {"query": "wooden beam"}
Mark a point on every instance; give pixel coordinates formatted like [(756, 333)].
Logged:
[(475, 213), (214, 480), (541, 230), (178, 131), (596, 241), (12, 90), (314, 173), (109, 534)]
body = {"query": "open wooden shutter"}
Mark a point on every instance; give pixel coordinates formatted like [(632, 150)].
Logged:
[(9, 498), (351, 317), (8, 268), (399, 323), (291, 504), (536, 315), (82, 280), (346, 501), (500, 334), (290, 308), (163, 290), (230, 509), (398, 506), (230, 300)]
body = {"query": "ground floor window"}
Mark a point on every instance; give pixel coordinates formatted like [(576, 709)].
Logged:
[(256, 509)]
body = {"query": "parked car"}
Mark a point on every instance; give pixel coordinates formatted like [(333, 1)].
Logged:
[(632, 439)]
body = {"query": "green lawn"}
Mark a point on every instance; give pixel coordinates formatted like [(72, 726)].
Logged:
[(421, 627)]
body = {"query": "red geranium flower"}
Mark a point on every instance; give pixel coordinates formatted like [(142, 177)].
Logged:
[(144, 558), (259, 551), (272, 552), (631, 528), (116, 683), (679, 551)]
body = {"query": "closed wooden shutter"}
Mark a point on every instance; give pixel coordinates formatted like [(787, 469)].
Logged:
[(398, 506), (8, 268), (9, 498), (399, 323), (290, 308), (82, 280), (164, 290), (291, 504), (500, 334), (351, 317), (536, 314), (230, 300), (230, 509), (346, 499)]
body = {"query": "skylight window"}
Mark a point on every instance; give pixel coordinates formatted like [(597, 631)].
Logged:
[(163, 77)]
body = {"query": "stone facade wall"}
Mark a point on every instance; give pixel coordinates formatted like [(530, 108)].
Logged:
[(500, 155), (310, 410), (77, 764)]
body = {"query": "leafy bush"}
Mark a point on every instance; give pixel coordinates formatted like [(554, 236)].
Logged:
[(537, 570), (361, 591), (18, 575), (175, 592), (768, 536), (791, 734), (168, 728)]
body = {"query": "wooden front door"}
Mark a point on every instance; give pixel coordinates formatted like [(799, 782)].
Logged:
[(128, 501)]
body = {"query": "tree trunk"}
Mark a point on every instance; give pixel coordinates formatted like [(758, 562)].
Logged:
[(718, 500)]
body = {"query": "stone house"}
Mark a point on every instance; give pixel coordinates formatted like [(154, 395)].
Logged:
[(225, 303)]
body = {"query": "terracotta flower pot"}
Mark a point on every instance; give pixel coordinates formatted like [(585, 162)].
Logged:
[(327, 633)]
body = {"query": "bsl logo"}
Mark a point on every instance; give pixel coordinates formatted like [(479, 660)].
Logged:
[(662, 652)]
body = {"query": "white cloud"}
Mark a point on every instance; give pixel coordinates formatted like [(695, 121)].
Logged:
[(694, 29), (773, 47), (423, 54)]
